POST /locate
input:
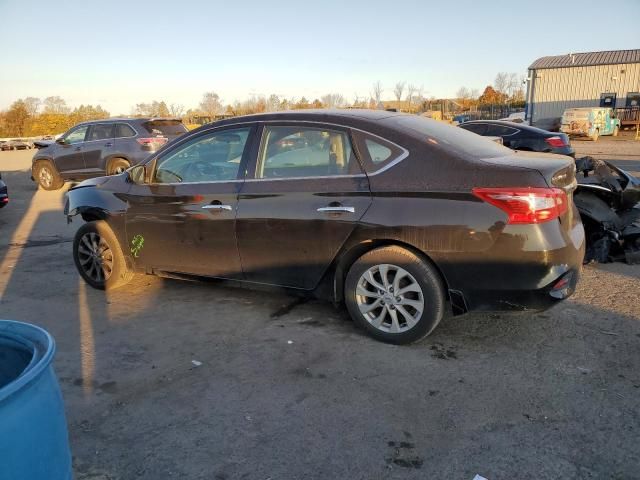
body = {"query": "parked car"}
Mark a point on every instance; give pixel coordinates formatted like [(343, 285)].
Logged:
[(99, 147), (590, 122), (4, 145), (4, 193), (518, 136), (21, 144), (391, 213)]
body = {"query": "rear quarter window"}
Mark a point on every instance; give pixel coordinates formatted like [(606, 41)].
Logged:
[(123, 130), (376, 152), (167, 128)]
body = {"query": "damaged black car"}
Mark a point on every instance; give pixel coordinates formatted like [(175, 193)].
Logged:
[(607, 199)]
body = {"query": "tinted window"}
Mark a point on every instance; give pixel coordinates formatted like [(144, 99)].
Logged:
[(123, 130), (100, 131), (500, 131), (171, 128), (304, 152), (76, 136), (452, 138), (477, 128), (208, 158)]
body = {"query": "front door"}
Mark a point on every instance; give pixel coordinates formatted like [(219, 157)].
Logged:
[(98, 146), (307, 194), (184, 219), (69, 157)]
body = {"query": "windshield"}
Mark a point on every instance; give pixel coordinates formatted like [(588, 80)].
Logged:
[(167, 128)]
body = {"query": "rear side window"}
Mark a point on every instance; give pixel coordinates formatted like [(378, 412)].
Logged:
[(167, 128), (477, 128), (305, 152), (100, 131), (123, 130), (377, 152), (500, 131)]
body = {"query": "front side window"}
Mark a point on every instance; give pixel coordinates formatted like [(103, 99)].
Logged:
[(76, 136), (213, 157), (100, 131), (294, 151)]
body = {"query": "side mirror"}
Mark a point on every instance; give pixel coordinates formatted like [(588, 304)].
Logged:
[(61, 141), (138, 174)]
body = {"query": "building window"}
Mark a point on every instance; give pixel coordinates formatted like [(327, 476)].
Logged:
[(633, 99), (608, 100)]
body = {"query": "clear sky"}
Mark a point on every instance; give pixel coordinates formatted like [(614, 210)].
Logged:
[(119, 53)]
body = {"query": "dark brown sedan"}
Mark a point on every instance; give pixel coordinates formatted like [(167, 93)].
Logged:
[(400, 217)]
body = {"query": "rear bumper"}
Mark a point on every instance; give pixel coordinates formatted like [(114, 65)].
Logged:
[(538, 300), (529, 268)]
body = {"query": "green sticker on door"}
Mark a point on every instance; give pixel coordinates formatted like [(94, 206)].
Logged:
[(136, 245)]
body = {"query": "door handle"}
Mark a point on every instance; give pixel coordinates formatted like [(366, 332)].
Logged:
[(337, 210), (78, 149), (217, 206), (109, 144)]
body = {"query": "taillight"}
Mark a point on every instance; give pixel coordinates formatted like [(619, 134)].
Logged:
[(152, 142), (526, 204), (556, 141)]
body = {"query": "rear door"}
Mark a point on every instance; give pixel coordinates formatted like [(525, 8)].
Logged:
[(69, 158), (98, 146), (184, 219), (306, 196)]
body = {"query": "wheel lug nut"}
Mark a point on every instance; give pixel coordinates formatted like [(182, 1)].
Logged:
[(398, 299), (392, 307), (391, 289)]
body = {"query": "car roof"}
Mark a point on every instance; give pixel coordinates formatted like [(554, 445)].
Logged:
[(519, 126), (325, 115), (129, 119)]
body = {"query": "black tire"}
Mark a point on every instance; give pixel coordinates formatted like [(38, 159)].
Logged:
[(120, 275), (117, 166), (423, 273), (47, 176)]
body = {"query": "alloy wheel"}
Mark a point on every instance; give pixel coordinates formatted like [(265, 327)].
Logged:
[(95, 257), (389, 298), (45, 177)]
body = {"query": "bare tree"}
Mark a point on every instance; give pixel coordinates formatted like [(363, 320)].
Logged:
[(210, 104), (332, 100), (273, 103), (398, 90), (501, 83), (55, 105), (32, 104), (463, 93), (376, 94), (411, 91), (176, 110)]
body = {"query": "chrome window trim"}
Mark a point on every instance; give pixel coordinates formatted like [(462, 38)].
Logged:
[(212, 128)]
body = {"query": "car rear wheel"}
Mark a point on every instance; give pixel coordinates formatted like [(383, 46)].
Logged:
[(47, 176), (394, 295), (117, 166), (98, 257)]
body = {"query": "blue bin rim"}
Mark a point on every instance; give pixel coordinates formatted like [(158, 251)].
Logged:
[(37, 340)]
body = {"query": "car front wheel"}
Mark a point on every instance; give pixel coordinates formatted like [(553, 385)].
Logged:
[(47, 176), (98, 257), (394, 295)]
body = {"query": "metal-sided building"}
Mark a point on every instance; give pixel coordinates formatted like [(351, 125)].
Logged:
[(607, 79)]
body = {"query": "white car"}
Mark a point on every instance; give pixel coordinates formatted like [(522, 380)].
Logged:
[(516, 118)]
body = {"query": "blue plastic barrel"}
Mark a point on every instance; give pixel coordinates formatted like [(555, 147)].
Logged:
[(34, 444)]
